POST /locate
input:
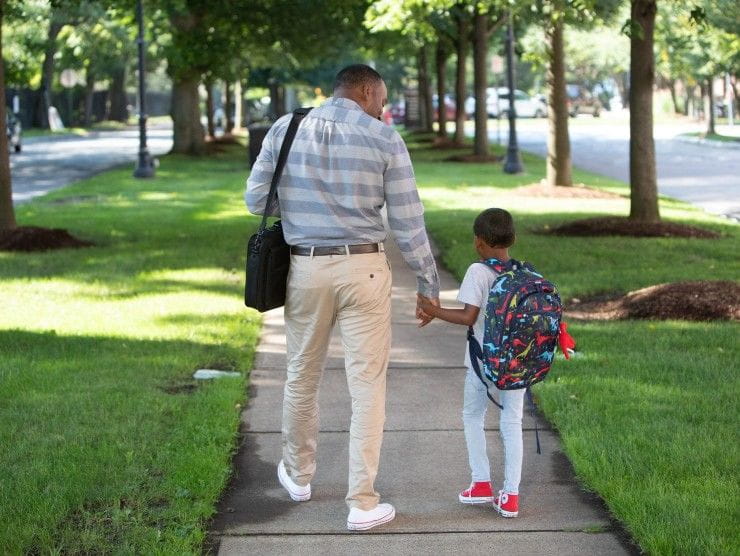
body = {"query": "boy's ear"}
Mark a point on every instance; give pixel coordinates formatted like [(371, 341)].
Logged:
[(479, 243)]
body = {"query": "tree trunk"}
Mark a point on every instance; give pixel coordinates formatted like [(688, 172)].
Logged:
[(238, 104), (281, 107), (41, 118), (674, 97), (441, 63), (89, 91), (643, 181), (209, 109), (187, 131), (273, 88), (420, 72), (277, 100), (462, 54), (229, 105), (480, 82), (7, 214), (710, 106), (559, 170), (425, 92), (687, 101), (118, 109), (624, 88)]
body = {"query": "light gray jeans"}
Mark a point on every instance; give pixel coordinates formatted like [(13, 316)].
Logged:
[(475, 404)]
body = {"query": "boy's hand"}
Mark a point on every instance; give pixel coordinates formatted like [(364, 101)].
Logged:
[(424, 306)]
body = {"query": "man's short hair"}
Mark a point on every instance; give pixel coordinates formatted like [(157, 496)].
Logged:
[(495, 226), (356, 75)]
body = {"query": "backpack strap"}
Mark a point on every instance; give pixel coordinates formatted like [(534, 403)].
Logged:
[(497, 265), (533, 409), (476, 354)]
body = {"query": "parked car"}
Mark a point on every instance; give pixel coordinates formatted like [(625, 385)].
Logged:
[(13, 130), (450, 107), (497, 104), (525, 105), (542, 99), (492, 108), (582, 101), (398, 112)]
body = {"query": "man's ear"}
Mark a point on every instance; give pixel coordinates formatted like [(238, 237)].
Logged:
[(367, 91)]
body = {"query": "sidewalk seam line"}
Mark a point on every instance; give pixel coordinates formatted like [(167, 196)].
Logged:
[(426, 532)]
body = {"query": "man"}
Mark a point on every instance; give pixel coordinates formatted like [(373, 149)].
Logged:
[(343, 167)]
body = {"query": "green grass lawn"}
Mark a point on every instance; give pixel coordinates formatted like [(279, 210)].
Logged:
[(648, 411), (108, 125), (108, 445), (714, 137), (38, 132)]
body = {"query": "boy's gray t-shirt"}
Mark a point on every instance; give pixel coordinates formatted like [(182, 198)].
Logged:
[(474, 291)]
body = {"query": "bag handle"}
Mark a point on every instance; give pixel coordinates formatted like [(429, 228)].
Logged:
[(298, 115)]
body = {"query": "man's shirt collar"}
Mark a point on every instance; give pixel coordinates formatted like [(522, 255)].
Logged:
[(343, 102)]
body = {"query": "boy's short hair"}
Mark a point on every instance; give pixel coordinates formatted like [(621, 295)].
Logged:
[(495, 226), (356, 75)]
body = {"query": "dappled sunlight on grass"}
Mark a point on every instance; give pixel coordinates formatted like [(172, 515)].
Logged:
[(156, 196), (460, 197), (76, 308), (647, 410), (98, 347), (236, 210)]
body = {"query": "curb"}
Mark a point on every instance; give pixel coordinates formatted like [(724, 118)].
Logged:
[(708, 142)]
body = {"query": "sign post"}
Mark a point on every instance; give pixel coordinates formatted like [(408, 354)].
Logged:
[(145, 164)]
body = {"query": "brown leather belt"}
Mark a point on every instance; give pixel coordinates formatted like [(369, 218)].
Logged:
[(336, 250)]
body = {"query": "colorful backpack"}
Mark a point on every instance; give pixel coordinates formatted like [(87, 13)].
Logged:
[(522, 327)]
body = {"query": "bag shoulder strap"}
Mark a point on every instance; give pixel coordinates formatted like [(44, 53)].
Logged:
[(298, 115), (476, 355)]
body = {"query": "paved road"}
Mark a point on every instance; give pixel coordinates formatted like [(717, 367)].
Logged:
[(703, 175), (706, 176), (51, 162)]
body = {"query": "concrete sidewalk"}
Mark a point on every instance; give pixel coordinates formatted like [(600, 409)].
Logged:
[(423, 462)]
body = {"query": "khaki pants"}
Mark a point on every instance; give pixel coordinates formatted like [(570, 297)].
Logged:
[(354, 291)]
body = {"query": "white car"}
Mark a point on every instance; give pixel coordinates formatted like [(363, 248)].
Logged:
[(491, 104), (497, 103), (526, 106)]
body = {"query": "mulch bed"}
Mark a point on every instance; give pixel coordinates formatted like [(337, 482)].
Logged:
[(618, 226), (444, 143), (696, 301), (474, 158), (225, 139), (579, 191), (32, 238)]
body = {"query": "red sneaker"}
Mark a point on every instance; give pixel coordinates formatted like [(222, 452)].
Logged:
[(477, 493), (507, 504)]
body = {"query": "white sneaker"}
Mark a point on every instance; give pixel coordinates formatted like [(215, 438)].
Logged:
[(362, 520), (297, 492)]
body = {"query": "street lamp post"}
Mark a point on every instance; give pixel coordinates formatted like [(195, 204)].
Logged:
[(513, 162), (145, 164)]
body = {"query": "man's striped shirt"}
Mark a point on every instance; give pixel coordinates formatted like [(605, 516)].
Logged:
[(343, 167)]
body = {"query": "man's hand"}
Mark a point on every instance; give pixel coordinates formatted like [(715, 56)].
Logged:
[(424, 308)]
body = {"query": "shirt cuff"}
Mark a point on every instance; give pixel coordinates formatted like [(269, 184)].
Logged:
[(426, 289)]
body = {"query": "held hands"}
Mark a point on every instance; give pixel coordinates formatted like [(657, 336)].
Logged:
[(425, 308)]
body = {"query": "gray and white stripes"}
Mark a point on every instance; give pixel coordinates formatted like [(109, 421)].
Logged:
[(344, 166)]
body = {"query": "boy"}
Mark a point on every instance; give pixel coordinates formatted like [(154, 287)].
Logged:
[(494, 234)]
